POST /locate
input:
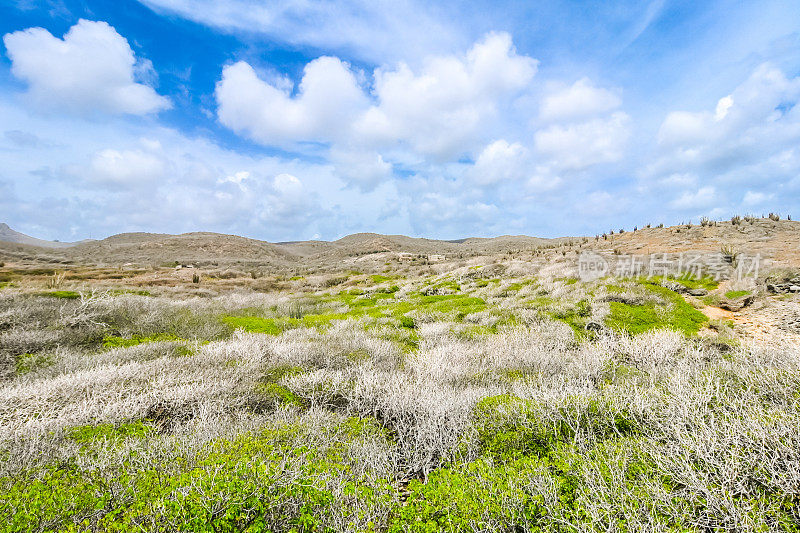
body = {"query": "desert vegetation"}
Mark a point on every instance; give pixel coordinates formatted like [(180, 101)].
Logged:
[(483, 398)]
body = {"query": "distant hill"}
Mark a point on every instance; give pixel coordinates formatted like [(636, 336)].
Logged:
[(9, 235), (778, 241), (155, 248)]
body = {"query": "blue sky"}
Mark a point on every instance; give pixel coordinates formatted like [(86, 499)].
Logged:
[(289, 120)]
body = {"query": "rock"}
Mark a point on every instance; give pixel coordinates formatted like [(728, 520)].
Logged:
[(698, 292), (594, 326), (737, 305), (794, 288), (674, 287)]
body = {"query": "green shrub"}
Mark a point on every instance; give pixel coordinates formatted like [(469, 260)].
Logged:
[(271, 395), (30, 362), (733, 295), (510, 427), (254, 324), (408, 322), (468, 498), (267, 481), (67, 295), (675, 314), (112, 341), (110, 432)]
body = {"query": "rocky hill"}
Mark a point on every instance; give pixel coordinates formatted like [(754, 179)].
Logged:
[(778, 241), (9, 235)]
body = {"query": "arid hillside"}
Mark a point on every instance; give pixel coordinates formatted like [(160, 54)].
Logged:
[(778, 242)]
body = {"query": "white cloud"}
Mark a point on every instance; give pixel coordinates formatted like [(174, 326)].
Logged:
[(373, 30), (126, 167), (703, 197), (442, 111), (500, 161), (91, 69), (578, 101), (327, 100), (760, 110), (578, 146), (723, 106), (750, 139), (681, 128), (364, 169), (445, 109), (752, 198)]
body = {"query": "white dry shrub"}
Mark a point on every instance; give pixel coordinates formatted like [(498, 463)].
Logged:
[(721, 425)]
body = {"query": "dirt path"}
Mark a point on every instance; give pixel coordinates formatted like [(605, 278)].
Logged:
[(769, 321)]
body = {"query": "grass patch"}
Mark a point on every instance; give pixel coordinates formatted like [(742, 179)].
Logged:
[(66, 295), (270, 480), (635, 319), (135, 292), (30, 362), (381, 278), (109, 432), (689, 281), (675, 313), (372, 308), (113, 341), (733, 295)]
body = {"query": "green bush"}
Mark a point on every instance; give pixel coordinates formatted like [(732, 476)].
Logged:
[(675, 314), (113, 341), (261, 482), (66, 295), (111, 432), (30, 362), (470, 497), (408, 322), (510, 427), (733, 295)]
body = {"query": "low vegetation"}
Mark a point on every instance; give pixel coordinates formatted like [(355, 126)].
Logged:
[(468, 401)]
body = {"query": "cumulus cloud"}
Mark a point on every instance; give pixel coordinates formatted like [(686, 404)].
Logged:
[(702, 198), (581, 145), (91, 69), (580, 100), (757, 121), (364, 169), (441, 111), (126, 167), (328, 98), (753, 198), (500, 161), (436, 210), (748, 141)]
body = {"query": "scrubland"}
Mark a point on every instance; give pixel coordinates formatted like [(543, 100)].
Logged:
[(476, 400)]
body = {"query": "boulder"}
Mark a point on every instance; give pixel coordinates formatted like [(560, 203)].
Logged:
[(698, 292), (737, 305)]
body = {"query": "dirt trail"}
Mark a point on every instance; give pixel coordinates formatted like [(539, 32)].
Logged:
[(765, 322)]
